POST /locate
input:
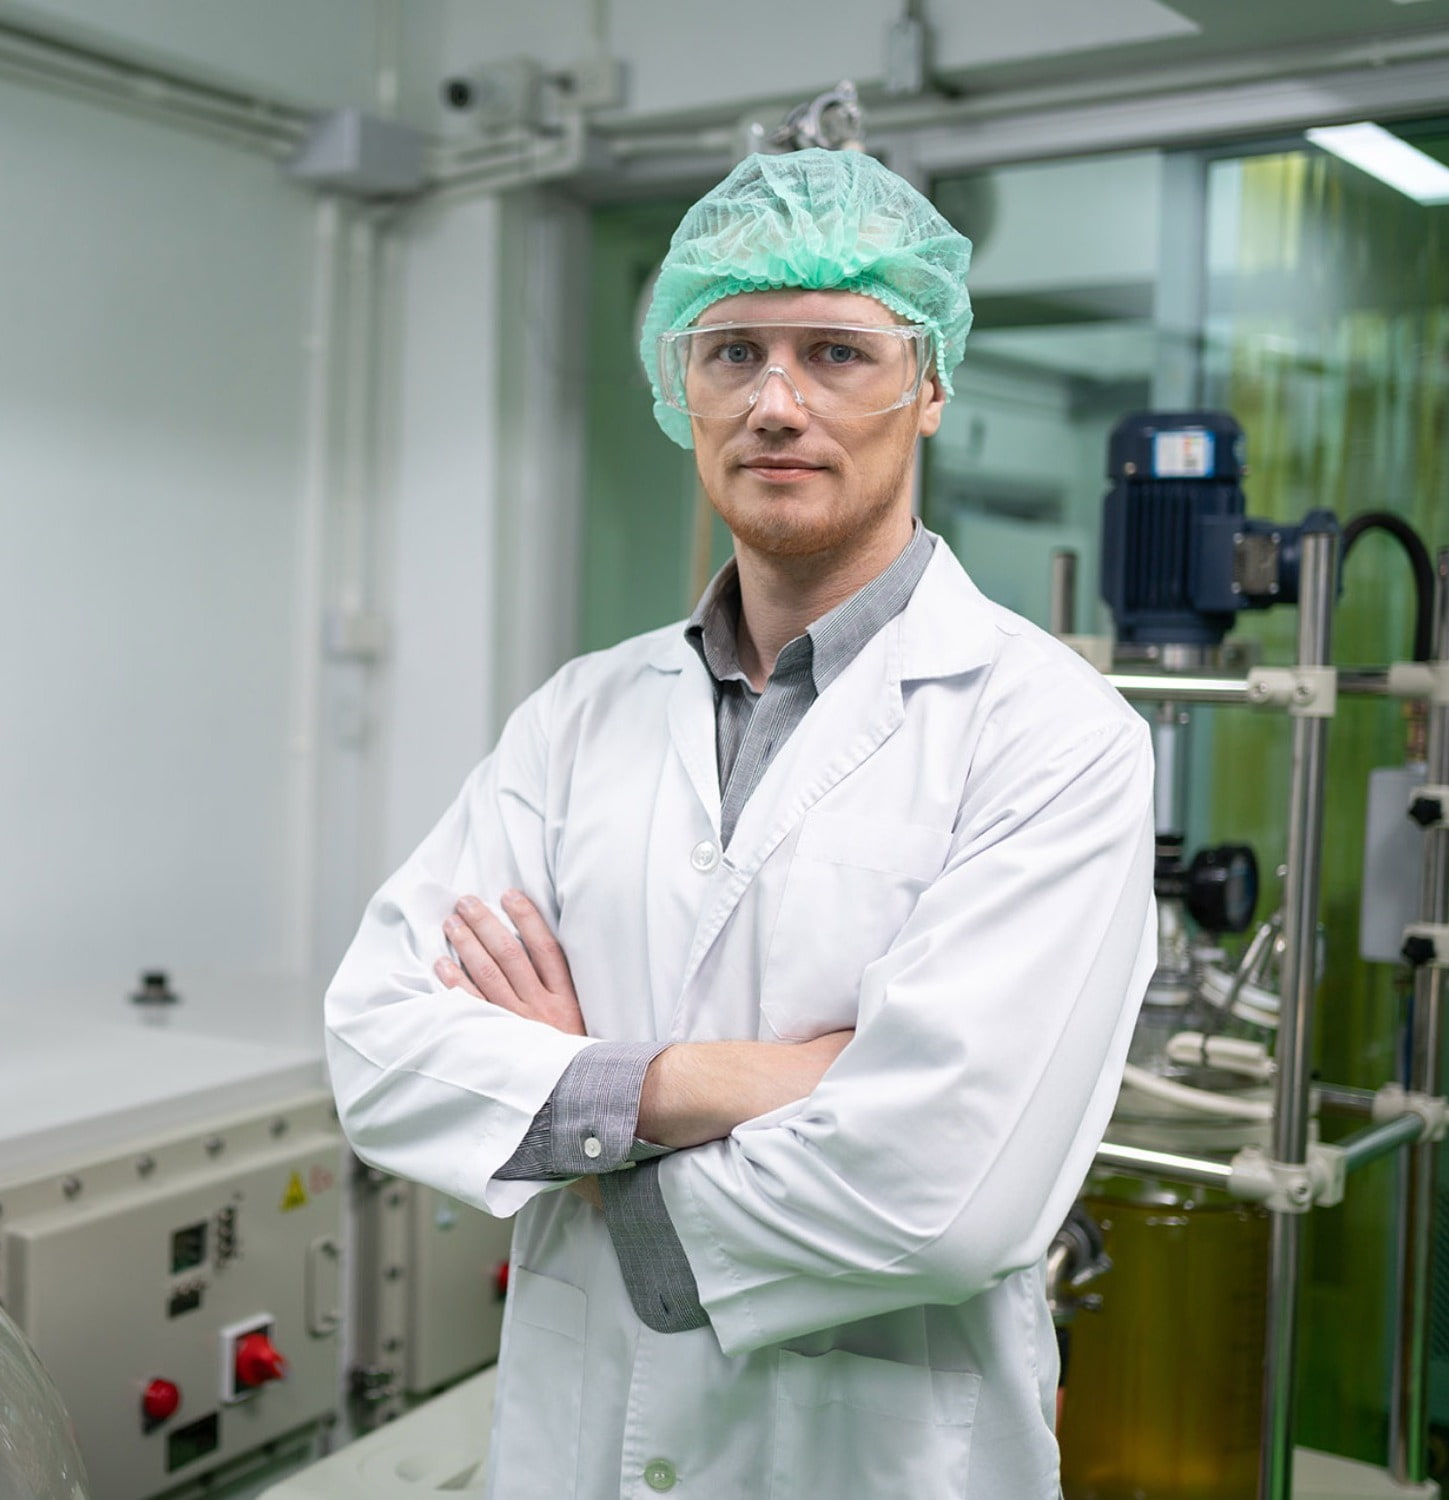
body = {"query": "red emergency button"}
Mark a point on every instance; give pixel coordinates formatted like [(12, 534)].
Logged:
[(257, 1361), (160, 1400)]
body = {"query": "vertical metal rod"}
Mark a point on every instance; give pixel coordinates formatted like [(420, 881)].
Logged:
[(1408, 1419), (1168, 741), (1062, 608), (1293, 1053)]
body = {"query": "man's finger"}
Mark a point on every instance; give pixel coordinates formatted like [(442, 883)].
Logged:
[(505, 950), (453, 978), (477, 964), (543, 947)]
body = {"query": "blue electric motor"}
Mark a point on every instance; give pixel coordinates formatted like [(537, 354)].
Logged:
[(1180, 555)]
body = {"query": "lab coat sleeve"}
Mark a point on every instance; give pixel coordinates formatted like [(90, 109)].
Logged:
[(431, 1083), (945, 1146)]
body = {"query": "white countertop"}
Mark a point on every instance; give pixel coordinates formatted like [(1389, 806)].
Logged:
[(80, 1071), (439, 1448)]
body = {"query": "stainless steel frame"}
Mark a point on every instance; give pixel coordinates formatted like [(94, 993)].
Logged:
[(1408, 1455), (1409, 1413)]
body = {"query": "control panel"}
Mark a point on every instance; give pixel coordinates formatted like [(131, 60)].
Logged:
[(185, 1295)]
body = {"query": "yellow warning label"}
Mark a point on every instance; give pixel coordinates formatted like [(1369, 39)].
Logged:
[(296, 1194)]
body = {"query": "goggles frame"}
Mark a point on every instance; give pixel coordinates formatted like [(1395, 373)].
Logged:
[(670, 365)]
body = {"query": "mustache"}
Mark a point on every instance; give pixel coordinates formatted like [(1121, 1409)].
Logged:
[(780, 457)]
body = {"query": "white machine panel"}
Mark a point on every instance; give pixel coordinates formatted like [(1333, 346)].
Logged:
[(199, 1271), (459, 1276), (431, 1280)]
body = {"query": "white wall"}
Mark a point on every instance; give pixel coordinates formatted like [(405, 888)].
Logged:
[(151, 384)]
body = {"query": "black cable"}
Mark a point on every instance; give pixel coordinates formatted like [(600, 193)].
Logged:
[(1418, 555)]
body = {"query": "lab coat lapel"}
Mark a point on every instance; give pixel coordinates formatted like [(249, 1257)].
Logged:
[(946, 629), (692, 731), (685, 815), (850, 720)]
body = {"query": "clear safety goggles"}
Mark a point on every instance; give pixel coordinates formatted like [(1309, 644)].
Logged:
[(831, 369)]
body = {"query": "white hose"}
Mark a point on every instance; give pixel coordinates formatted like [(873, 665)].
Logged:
[(1252, 1003), (1202, 1100), (1230, 1053)]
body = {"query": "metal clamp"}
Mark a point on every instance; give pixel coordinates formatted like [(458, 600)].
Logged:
[(1426, 943), (1427, 805), (1289, 1187), (1306, 692), (1394, 1100), (1420, 679)]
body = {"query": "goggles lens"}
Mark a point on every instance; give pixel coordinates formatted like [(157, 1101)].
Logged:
[(832, 369)]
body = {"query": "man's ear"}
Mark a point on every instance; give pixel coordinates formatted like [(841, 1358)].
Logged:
[(933, 404)]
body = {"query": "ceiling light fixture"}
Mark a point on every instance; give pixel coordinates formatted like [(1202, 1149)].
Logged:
[(1374, 150)]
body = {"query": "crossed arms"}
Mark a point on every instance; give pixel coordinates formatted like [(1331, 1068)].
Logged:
[(693, 1091), (916, 1162)]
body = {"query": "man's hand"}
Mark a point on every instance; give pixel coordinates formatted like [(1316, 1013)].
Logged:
[(527, 974), (699, 1091)]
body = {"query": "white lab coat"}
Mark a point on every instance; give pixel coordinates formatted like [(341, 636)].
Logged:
[(952, 853)]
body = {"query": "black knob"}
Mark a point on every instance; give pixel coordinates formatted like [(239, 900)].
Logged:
[(1222, 888), (1418, 950), (155, 989), (1426, 811)]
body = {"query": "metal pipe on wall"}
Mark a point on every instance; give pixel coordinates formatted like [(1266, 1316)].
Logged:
[(1408, 1417), (1293, 1052), (310, 591)]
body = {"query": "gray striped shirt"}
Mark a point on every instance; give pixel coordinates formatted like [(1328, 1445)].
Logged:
[(750, 727)]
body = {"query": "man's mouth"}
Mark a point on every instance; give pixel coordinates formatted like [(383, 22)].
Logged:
[(779, 468)]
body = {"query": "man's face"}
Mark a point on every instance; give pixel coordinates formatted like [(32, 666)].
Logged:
[(791, 484)]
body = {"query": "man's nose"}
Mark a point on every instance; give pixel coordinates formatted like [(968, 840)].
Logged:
[(777, 405)]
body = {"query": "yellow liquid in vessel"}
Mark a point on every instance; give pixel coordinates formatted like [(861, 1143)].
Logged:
[(1164, 1383)]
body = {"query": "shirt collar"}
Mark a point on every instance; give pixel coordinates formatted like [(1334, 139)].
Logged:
[(832, 641)]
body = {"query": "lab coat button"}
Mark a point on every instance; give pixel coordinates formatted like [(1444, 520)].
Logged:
[(659, 1474), (593, 1146), (704, 856)]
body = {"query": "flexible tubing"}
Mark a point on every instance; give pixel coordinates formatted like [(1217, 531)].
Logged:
[(1217, 985), (1418, 555), (1230, 1053), (1201, 1100)]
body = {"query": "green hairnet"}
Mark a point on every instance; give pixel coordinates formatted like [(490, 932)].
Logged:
[(817, 220)]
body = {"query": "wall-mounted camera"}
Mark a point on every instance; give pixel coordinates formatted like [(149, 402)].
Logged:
[(508, 94)]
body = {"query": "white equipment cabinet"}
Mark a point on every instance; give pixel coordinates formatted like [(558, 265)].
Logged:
[(171, 1223)]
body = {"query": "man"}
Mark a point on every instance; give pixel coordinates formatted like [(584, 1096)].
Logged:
[(832, 915)]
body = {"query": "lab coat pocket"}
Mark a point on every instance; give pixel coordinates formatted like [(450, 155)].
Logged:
[(851, 885), (540, 1395), (854, 1427)]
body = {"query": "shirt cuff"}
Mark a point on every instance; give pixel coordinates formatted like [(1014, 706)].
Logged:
[(656, 1270), (587, 1124)]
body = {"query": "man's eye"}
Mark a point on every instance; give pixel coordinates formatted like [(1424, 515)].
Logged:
[(840, 354), (733, 354)]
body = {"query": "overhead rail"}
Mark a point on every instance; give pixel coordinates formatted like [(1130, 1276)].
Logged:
[(151, 90), (1147, 108)]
